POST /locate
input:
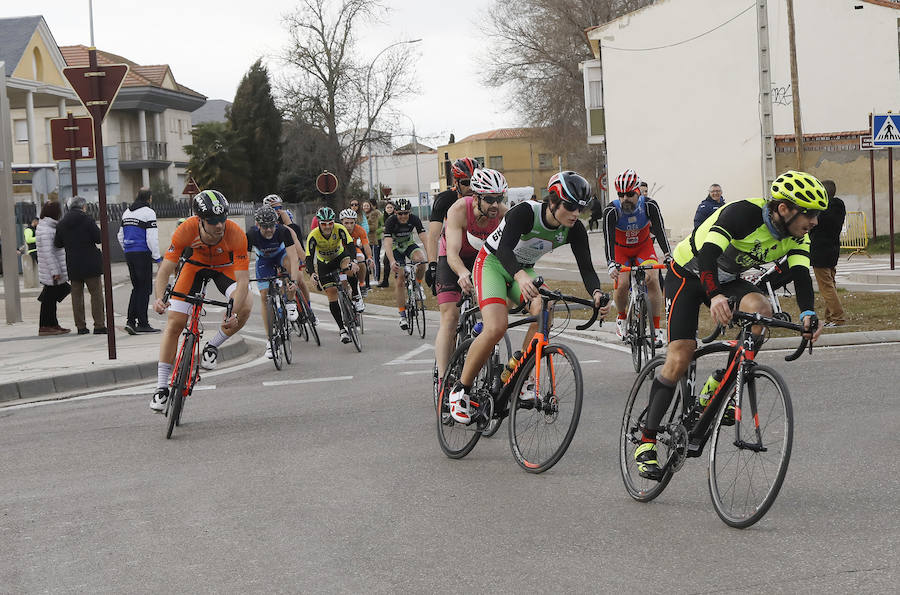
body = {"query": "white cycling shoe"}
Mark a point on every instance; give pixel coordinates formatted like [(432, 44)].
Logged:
[(269, 349), (459, 404), (660, 337), (620, 328), (292, 312)]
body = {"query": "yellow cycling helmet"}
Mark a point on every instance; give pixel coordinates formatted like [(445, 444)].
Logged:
[(802, 189)]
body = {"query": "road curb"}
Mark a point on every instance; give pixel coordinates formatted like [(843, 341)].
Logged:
[(826, 340), (126, 372)]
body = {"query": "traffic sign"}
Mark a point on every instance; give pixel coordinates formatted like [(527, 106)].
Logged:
[(72, 141), (96, 86), (326, 182), (865, 143), (191, 188), (603, 181), (886, 130)]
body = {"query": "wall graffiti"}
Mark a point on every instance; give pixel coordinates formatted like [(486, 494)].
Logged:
[(782, 95)]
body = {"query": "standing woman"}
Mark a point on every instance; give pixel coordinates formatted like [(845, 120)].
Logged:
[(376, 229), (52, 272), (385, 268)]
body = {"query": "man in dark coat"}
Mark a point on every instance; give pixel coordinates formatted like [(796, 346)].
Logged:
[(708, 205), (824, 251), (79, 235)]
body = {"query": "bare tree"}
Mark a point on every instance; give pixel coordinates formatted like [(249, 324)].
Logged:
[(538, 45), (332, 89)]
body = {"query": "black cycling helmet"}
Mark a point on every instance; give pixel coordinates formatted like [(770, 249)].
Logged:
[(266, 216), (403, 204), (211, 206), (571, 188), (325, 214)]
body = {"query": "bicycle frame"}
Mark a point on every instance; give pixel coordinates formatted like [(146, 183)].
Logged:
[(192, 328)]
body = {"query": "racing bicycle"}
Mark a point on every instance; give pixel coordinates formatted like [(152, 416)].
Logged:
[(415, 300), (639, 332), (279, 330), (353, 320)]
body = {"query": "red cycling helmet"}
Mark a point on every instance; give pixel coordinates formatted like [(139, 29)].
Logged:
[(464, 168), (627, 181)]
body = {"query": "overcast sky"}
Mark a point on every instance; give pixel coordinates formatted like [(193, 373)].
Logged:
[(210, 45)]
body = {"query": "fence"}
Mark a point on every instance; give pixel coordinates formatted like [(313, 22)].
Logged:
[(855, 234)]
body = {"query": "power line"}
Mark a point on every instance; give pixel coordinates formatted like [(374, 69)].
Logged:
[(661, 47)]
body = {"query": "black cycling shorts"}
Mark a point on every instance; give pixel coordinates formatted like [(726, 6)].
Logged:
[(684, 294), (401, 255)]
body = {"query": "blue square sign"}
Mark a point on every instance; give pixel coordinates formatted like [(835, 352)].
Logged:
[(886, 130)]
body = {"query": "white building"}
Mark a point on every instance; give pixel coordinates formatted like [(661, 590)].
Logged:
[(397, 171), (681, 88)]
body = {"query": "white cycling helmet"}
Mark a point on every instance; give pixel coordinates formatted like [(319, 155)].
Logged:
[(488, 181), (348, 214), (271, 200)]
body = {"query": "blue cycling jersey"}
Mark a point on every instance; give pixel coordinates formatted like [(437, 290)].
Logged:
[(269, 249)]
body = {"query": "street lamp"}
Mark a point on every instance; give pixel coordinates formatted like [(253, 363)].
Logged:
[(369, 107), (416, 149)]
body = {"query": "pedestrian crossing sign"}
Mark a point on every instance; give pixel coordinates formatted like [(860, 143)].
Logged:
[(886, 130)]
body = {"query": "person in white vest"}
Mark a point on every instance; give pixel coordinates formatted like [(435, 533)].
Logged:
[(139, 238)]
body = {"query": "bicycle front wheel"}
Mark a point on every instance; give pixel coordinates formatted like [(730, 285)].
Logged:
[(348, 315), (455, 439), (275, 335), (179, 385), (420, 311), (311, 323), (748, 462), (640, 488), (545, 408), (286, 340)]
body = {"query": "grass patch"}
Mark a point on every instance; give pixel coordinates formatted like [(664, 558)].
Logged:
[(882, 244)]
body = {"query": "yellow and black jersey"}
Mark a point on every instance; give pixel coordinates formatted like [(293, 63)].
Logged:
[(324, 249)]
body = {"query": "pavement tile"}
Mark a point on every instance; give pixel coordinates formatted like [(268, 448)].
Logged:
[(38, 387)]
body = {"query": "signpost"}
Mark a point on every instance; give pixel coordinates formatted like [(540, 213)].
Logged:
[(326, 182), (886, 133), (72, 139), (97, 87)]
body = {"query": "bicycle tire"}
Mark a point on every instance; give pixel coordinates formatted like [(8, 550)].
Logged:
[(410, 312), (286, 340), (724, 452), (299, 325), (274, 334), (420, 313), (639, 488), (348, 315), (524, 421), (456, 440), (645, 328), (179, 385), (632, 331), (313, 329)]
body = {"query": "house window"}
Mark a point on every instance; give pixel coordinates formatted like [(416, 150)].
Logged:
[(21, 127), (545, 161), (180, 129), (480, 161), (496, 162)]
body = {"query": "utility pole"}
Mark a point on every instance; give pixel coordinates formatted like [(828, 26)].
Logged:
[(767, 127), (795, 86), (12, 299)]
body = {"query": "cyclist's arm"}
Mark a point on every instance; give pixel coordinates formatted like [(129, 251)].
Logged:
[(431, 243), (456, 227), (242, 277), (657, 227), (798, 265), (387, 241), (519, 221), (578, 241), (166, 268), (310, 253), (610, 218)]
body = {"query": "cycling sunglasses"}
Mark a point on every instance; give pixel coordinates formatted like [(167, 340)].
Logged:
[(464, 182), (402, 212), (629, 194), (266, 226), (217, 220), (573, 206), (492, 199)]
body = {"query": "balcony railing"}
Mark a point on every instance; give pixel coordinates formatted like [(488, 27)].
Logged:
[(142, 151)]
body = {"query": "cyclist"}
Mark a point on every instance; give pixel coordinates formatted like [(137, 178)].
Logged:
[(216, 241), (706, 270), (286, 219), (461, 170), (363, 255), (627, 226), (273, 244), (504, 269), (469, 222), (400, 244), (330, 250)]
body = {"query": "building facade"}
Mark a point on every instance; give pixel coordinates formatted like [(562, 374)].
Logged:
[(682, 102)]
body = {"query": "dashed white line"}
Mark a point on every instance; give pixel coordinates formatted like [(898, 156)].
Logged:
[(306, 380)]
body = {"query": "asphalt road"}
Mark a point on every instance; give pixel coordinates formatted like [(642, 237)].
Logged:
[(340, 486)]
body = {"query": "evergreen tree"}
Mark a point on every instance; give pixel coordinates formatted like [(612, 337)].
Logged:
[(218, 160), (257, 122)]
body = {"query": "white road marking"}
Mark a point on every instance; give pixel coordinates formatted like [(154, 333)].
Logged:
[(406, 358), (413, 372), (306, 380)]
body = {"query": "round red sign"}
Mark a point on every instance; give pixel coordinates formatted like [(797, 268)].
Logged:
[(326, 182)]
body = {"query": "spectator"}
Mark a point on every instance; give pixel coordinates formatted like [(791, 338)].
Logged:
[(596, 215), (51, 270), (29, 265), (375, 218), (385, 265), (643, 187), (824, 251), (360, 218), (139, 238), (79, 235), (708, 205)]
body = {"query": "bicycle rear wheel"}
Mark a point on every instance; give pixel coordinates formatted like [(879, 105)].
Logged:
[(748, 462), (286, 340), (455, 439), (640, 488), (299, 325), (545, 406), (410, 310), (497, 362), (275, 334), (311, 324), (420, 310), (179, 385)]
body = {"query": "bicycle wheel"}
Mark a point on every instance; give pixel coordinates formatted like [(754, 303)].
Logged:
[(455, 439), (286, 340), (348, 315), (410, 311), (179, 385), (639, 488), (420, 310), (299, 325), (542, 427), (275, 334), (310, 322), (748, 462), (632, 334)]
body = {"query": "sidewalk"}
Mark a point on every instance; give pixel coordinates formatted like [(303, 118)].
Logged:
[(41, 367)]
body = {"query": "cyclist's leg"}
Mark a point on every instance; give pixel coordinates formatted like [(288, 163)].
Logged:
[(647, 255), (417, 256), (750, 299), (168, 346), (328, 279), (400, 289), (534, 308), (448, 295), (263, 296), (495, 317)]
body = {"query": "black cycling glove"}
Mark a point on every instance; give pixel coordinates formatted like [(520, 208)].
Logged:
[(431, 274)]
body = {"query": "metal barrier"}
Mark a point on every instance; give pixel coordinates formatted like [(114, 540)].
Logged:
[(855, 235)]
